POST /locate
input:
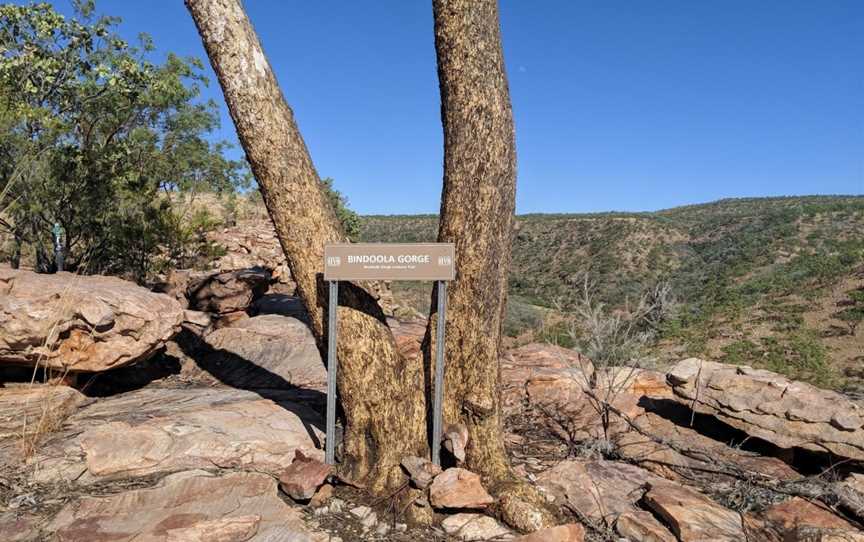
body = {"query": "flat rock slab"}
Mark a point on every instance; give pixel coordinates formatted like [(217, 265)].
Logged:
[(786, 413), (188, 506), (81, 323), (29, 409), (598, 490), (159, 430), (267, 351), (692, 516), (230, 291)]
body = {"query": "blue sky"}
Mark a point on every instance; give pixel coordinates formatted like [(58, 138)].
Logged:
[(619, 104)]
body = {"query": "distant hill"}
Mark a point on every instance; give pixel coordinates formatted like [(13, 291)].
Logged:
[(761, 280)]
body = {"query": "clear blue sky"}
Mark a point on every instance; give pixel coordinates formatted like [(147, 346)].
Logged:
[(619, 105)]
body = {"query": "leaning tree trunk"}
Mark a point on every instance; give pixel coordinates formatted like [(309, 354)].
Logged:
[(477, 214), (380, 392)]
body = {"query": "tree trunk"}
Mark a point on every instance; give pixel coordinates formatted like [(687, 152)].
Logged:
[(381, 393), (477, 214)]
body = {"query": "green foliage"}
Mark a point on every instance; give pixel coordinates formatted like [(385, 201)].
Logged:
[(853, 311), (349, 219), (99, 139), (799, 355)]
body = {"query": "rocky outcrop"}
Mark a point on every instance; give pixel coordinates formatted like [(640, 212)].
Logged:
[(786, 413), (543, 375), (156, 431), (81, 323), (28, 409), (227, 292), (188, 506), (268, 351)]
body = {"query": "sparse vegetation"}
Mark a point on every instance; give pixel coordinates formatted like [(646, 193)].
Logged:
[(754, 271)]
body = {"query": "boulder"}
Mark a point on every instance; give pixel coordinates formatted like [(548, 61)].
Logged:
[(155, 431), (786, 413), (543, 375), (692, 516), (81, 323), (229, 291), (458, 488), (303, 477), (189, 506), (281, 304), (268, 351), (37, 408), (474, 527)]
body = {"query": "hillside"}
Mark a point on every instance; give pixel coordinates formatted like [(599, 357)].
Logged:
[(760, 280)]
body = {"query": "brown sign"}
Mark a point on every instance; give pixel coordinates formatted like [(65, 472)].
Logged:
[(389, 261)]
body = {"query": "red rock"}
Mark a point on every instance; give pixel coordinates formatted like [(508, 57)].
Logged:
[(692, 516), (797, 512), (321, 496), (303, 477), (458, 488)]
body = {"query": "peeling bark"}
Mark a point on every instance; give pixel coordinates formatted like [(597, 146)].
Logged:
[(380, 392)]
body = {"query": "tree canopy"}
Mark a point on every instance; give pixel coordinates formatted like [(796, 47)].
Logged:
[(98, 138)]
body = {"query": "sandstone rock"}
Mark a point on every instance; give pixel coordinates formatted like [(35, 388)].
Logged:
[(543, 374), (598, 490), (797, 512), (769, 406), (455, 439), (36, 408), (572, 532), (473, 527), (422, 471), (664, 459), (642, 526), (81, 323), (188, 506), (231, 291), (458, 488), (303, 477), (158, 430), (268, 351), (199, 319), (692, 516)]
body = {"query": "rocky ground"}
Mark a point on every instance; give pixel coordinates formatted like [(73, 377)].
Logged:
[(192, 412)]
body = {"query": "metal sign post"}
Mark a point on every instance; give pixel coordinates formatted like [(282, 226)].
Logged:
[(437, 408), (371, 261), (332, 367)]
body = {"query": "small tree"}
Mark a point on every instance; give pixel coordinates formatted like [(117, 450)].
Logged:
[(853, 313), (95, 137)]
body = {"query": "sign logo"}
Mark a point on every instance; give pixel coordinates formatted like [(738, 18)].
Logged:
[(334, 261)]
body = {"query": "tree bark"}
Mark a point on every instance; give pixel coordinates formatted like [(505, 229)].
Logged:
[(381, 393), (477, 214)]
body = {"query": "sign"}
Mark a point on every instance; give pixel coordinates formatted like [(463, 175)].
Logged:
[(389, 261)]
